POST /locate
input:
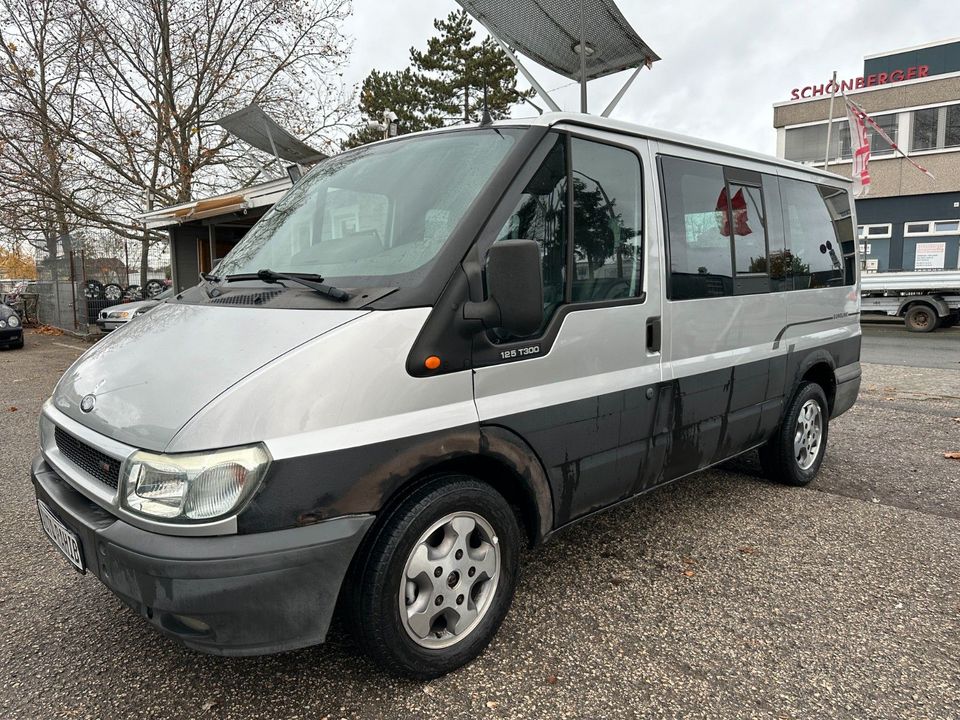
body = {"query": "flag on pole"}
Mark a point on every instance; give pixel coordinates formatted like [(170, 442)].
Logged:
[(860, 143), (860, 147)]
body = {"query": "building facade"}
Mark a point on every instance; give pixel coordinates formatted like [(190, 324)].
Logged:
[(907, 221)]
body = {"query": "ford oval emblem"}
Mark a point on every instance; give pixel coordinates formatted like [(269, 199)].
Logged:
[(88, 403)]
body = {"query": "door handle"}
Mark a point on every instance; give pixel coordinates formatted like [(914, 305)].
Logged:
[(653, 334)]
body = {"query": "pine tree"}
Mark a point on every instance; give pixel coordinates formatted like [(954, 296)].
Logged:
[(444, 83)]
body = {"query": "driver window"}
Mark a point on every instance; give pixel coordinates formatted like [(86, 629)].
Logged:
[(541, 215)]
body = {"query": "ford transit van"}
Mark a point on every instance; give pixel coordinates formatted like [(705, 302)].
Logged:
[(434, 351)]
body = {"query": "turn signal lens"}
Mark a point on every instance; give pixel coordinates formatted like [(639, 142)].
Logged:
[(432, 362)]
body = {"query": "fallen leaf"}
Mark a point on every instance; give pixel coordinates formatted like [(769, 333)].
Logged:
[(207, 705), (551, 679), (952, 455), (956, 420), (11, 409), (689, 573), (688, 561), (747, 550), (492, 704), (888, 398)]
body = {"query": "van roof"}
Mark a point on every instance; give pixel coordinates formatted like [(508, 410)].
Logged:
[(601, 123)]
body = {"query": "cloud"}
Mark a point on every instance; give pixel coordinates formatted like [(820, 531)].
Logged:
[(724, 63)]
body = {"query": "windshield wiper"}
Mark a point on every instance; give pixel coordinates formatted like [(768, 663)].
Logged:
[(313, 282)]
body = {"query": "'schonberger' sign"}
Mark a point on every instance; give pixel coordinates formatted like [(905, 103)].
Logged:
[(825, 89)]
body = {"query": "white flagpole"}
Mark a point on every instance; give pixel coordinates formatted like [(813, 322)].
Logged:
[(833, 94)]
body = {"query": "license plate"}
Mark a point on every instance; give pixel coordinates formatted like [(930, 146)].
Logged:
[(62, 536)]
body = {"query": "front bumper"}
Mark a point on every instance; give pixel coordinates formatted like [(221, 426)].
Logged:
[(11, 336), (109, 325), (228, 595)]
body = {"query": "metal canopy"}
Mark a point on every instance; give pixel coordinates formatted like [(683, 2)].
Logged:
[(548, 32), (255, 127)]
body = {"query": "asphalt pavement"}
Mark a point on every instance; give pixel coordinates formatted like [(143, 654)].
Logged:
[(720, 596)]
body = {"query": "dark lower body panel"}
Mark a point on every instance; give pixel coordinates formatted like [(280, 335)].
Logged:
[(11, 338), (229, 595)]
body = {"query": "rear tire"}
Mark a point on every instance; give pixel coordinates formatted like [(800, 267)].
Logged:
[(431, 585), (921, 318), (793, 456)]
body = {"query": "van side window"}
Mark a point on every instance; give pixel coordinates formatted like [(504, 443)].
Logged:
[(838, 205), (698, 227), (811, 238), (541, 215), (749, 239), (607, 222)]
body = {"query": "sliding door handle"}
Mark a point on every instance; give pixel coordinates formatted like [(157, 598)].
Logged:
[(653, 334)]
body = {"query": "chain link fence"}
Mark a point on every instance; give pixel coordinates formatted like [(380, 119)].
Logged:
[(74, 287)]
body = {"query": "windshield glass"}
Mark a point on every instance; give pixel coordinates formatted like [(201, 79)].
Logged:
[(376, 216)]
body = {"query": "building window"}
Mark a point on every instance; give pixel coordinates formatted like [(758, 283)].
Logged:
[(875, 232), (932, 227), (808, 144), (925, 129), (952, 134), (936, 128)]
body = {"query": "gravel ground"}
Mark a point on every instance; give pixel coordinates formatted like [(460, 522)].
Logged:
[(719, 596)]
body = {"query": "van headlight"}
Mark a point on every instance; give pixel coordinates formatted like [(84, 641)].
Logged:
[(192, 486)]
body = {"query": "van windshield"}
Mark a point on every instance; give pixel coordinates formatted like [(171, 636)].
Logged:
[(376, 216)]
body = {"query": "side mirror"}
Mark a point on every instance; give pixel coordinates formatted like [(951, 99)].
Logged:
[(514, 289)]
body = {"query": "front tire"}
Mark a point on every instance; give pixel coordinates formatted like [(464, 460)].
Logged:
[(432, 584), (793, 456)]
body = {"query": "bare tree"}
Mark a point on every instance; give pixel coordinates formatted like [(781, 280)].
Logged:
[(138, 125)]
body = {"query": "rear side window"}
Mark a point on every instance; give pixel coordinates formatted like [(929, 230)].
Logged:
[(811, 237), (698, 228), (838, 205)]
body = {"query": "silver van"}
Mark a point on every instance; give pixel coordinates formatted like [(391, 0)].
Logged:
[(434, 351)]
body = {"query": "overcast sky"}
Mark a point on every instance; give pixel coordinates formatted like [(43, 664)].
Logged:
[(724, 62)]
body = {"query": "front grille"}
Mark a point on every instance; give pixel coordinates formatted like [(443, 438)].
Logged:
[(256, 298), (93, 462)]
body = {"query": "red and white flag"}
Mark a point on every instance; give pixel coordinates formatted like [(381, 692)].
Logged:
[(860, 144)]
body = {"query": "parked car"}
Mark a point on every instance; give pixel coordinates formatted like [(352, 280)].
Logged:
[(438, 349), (117, 316), (11, 329)]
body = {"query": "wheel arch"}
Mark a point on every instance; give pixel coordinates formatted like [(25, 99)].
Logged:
[(818, 367)]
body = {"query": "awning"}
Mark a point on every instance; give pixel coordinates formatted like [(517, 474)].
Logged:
[(548, 32)]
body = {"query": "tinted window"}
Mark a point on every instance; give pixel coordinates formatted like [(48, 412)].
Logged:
[(838, 205), (816, 258), (697, 228), (607, 222), (952, 136), (924, 129), (541, 215), (749, 239)]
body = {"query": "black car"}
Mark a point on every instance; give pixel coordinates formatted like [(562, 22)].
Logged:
[(11, 330)]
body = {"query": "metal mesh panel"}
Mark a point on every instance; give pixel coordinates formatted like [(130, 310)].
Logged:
[(93, 462), (246, 299), (548, 30)]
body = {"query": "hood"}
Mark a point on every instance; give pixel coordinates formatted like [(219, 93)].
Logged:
[(150, 377), (132, 306)]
